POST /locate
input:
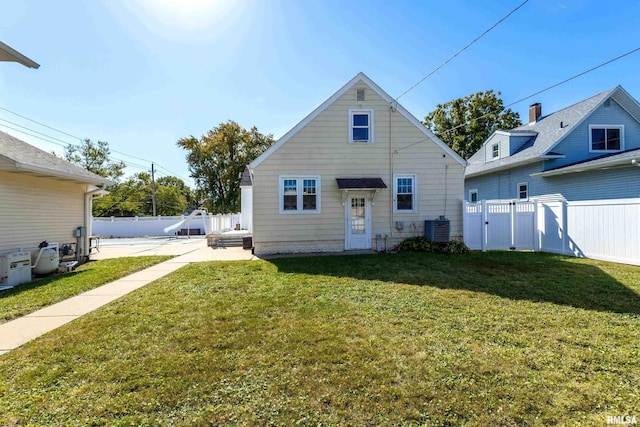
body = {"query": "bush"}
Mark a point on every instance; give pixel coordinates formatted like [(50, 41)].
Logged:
[(421, 244)]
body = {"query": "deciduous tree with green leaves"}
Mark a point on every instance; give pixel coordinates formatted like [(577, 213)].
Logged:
[(218, 158), (132, 197), (465, 123), (94, 157)]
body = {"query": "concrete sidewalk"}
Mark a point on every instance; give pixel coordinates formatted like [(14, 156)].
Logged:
[(18, 332)]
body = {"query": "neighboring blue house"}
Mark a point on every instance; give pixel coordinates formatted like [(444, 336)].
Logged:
[(584, 152)]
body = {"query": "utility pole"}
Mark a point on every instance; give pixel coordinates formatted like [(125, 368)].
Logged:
[(153, 189)]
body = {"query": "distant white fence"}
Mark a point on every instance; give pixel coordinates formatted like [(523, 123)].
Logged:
[(601, 229), (155, 225)]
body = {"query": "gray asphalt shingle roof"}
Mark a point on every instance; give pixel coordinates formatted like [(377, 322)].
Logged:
[(27, 158), (548, 132)]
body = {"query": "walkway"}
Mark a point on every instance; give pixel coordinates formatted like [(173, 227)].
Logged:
[(18, 332)]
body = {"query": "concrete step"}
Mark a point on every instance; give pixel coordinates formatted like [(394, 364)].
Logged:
[(226, 241)]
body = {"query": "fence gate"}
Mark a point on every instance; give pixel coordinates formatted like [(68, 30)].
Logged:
[(500, 225)]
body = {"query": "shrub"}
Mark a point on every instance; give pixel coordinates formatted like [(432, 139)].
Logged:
[(421, 244)]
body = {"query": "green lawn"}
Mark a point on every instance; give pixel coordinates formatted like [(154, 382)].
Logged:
[(404, 339), (30, 297)]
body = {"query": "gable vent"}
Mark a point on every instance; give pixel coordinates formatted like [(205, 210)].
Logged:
[(607, 103), (360, 94)]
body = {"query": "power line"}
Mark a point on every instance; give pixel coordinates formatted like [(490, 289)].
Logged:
[(530, 96), (462, 50), (52, 139)]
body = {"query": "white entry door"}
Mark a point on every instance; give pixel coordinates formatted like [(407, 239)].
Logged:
[(358, 222)]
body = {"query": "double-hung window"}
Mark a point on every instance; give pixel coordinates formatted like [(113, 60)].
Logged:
[(404, 194), (523, 191), (603, 138), (473, 196), (360, 126), (299, 194), (495, 151)]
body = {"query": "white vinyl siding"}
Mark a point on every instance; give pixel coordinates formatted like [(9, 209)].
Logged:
[(36, 209)]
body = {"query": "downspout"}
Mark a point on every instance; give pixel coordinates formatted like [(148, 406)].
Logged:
[(391, 183)]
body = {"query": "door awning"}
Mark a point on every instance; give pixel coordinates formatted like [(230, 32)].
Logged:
[(361, 183)]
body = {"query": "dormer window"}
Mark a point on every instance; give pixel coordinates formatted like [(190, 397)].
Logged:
[(606, 138), (495, 151), (360, 126)]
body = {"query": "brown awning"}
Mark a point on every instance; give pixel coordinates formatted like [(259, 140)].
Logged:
[(360, 183)]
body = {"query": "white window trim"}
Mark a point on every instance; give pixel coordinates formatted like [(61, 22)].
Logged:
[(475, 190), (353, 111), (621, 127), (518, 191), (497, 152), (300, 188), (414, 181)]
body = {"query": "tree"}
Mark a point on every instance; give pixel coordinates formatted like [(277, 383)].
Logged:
[(94, 157), (216, 162), (133, 197), (465, 123)]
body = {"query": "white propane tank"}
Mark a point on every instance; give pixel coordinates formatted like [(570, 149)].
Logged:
[(48, 260)]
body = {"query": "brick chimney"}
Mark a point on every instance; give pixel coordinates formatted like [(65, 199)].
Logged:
[(535, 111)]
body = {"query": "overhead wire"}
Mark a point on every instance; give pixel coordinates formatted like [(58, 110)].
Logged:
[(528, 96), (57, 141), (462, 50)]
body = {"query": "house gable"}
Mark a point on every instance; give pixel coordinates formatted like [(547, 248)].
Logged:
[(384, 164), (576, 146), (360, 81)]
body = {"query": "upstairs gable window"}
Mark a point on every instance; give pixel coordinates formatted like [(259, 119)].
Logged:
[(495, 151), (360, 126), (606, 138)]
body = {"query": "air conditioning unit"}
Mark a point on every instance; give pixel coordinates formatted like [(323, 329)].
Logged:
[(15, 269), (437, 230)]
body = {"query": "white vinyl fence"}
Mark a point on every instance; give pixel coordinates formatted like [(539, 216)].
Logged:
[(155, 225), (601, 229)]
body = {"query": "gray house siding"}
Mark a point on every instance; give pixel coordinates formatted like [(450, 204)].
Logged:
[(620, 183), (576, 145), (504, 184)]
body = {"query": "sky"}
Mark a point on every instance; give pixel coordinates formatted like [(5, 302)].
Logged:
[(141, 74)]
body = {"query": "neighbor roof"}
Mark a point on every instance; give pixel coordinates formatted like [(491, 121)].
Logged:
[(18, 156), (351, 83), (7, 53), (549, 133), (606, 161)]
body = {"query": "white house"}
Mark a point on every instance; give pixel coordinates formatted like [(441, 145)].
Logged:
[(359, 172), (43, 197)]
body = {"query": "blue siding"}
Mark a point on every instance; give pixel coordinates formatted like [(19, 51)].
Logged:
[(618, 183), (516, 141), (503, 184), (576, 145)]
